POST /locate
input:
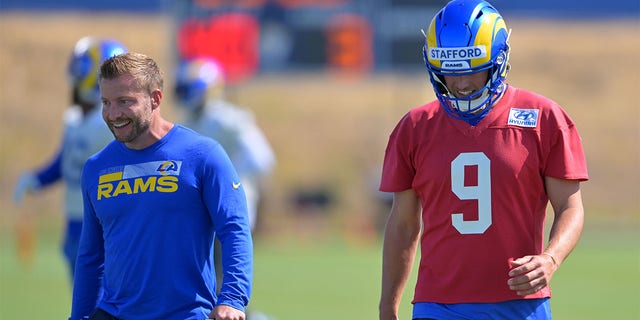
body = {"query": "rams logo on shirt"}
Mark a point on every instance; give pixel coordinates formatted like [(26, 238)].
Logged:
[(154, 176), (167, 167)]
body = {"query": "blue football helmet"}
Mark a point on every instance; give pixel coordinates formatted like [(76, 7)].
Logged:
[(198, 81), (466, 37), (84, 64)]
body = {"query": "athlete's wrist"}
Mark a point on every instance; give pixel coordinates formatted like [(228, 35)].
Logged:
[(553, 259)]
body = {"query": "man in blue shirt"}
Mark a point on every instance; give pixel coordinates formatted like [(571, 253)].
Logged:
[(153, 201)]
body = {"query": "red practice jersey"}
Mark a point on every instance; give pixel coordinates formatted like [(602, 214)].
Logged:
[(482, 190)]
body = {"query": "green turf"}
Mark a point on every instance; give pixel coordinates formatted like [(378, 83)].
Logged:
[(36, 290), (601, 277), (329, 280), (332, 280)]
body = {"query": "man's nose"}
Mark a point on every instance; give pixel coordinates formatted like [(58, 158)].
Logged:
[(462, 82), (110, 112)]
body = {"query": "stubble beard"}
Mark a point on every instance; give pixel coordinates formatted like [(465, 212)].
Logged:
[(138, 127)]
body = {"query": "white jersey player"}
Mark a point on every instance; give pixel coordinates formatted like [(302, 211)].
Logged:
[(199, 90), (84, 134)]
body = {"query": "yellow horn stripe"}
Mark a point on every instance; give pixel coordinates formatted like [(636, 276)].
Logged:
[(491, 24), (431, 43)]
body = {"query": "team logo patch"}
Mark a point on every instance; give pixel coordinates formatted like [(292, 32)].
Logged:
[(153, 168), (523, 117), (132, 179)]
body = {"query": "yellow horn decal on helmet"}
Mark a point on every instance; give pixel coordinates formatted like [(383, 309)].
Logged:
[(491, 24), (90, 81), (431, 43)]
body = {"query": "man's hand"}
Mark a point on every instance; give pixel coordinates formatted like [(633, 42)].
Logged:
[(27, 183), (224, 312), (531, 274)]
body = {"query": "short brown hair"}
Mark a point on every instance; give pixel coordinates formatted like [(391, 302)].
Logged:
[(144, 69)]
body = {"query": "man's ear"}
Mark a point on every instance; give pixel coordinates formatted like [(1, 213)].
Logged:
[(156, 98)]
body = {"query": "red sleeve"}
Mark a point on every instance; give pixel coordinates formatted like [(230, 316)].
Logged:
[(398, 170), (566, 159)]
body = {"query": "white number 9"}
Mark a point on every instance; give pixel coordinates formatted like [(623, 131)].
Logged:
[(481, 192)]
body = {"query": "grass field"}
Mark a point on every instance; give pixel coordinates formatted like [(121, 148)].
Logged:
[(330, 132), (332, 279)]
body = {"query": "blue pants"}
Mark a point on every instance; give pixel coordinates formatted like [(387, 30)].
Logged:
[(525, 309), (71, 244)]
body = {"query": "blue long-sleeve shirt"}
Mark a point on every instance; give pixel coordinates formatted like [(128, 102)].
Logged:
[(149, 223), (50, 173)]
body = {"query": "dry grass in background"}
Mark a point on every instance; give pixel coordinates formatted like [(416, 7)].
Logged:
[(331, 131)]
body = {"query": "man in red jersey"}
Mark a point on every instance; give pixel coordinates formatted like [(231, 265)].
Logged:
[(475, 170)]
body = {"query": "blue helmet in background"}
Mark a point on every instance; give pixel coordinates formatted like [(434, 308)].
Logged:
[(197, 81), (466, 37), (87, 56)]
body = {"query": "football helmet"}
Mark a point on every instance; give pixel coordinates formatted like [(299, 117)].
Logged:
[(466, 37), (198, 80), (87, 56)]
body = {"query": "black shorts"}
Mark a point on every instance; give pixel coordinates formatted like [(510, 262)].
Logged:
[(100, 314)]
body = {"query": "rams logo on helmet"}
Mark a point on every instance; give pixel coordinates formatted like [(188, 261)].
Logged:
[(87, 56)]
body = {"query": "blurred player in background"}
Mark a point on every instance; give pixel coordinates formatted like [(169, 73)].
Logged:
[(200, 88), (475, 169), (84, 134), (200, 92)]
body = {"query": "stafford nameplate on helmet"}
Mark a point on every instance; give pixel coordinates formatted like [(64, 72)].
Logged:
[(455, 54)]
